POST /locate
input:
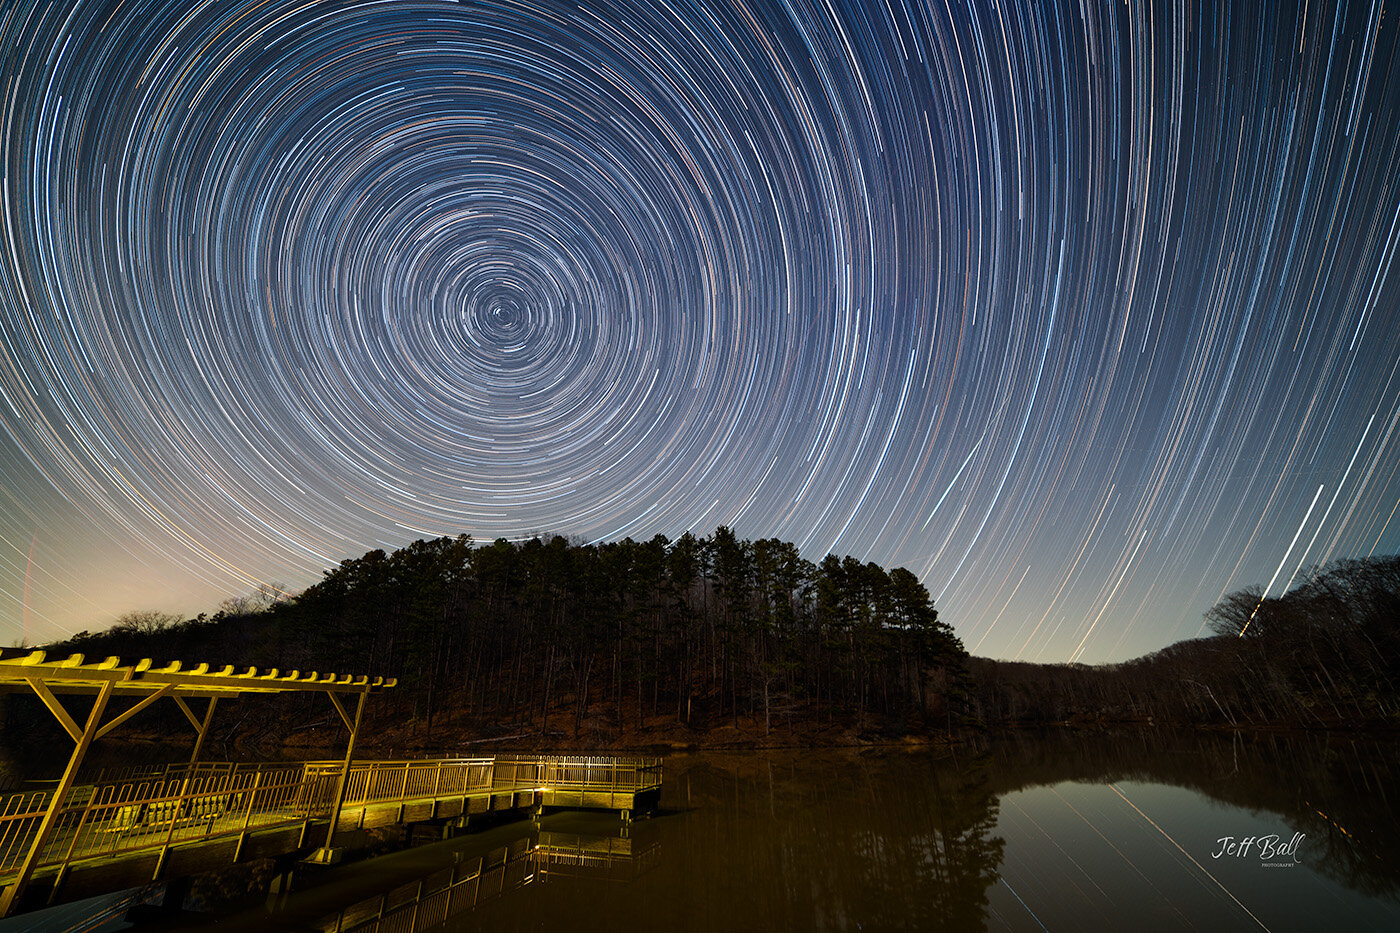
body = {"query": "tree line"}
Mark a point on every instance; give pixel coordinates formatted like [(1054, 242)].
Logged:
[(1325, 654), (547, 635)]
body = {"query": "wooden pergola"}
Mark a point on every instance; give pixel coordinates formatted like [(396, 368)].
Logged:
[(28, 671)]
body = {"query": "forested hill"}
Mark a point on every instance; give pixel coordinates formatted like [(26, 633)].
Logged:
[(716, 639), (1326, 654), (553, 638)]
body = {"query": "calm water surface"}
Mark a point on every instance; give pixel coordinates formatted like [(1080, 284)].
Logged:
[(1058, 832), (1053, 832)]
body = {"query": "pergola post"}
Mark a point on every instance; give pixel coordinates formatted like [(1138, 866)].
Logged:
[(83, 740), (327, 855), (201, 727)]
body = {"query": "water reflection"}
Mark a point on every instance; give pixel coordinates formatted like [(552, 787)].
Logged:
[(1339, 791), (1061, 830), (441, 897), (620, 858), (1026, 831)]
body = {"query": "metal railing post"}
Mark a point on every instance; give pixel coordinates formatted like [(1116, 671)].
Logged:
[(248, 813), (175, 810), (73, 846)]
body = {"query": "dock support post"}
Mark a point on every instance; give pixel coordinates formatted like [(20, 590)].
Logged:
[(327, 855), (10, 898)]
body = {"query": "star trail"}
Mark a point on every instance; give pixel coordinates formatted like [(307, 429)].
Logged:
[(1082, 312)]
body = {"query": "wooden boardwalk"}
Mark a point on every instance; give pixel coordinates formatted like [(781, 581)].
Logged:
[(183, 820)]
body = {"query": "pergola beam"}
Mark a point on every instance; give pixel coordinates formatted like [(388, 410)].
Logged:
[(138, 707), (66, 721), (203, 730), (18, 665), (22, 669), (344, 713), (189, 714)]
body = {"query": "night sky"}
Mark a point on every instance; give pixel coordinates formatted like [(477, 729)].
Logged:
[(1085, 313)]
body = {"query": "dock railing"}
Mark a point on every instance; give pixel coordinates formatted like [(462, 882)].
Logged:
[(180, 804), (594, 773), (126, 817)]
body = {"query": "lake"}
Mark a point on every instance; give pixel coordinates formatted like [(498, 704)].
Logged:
[(1061, 831)]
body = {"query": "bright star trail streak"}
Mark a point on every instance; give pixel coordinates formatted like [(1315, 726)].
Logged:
[(1066, 307), (1274, 579), (1187, 855)]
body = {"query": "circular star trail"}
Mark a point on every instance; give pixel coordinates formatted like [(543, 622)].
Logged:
[(1083, 313)]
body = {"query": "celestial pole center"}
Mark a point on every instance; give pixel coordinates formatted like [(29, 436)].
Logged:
[(1069, 308)]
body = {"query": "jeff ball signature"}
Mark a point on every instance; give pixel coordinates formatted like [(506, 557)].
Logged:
[(1270, 850)]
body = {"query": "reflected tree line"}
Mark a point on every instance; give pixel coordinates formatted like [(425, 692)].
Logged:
[(907, 839), (549, 636), (1326, 654), (890, 839), (1337, 790), (898, 840)]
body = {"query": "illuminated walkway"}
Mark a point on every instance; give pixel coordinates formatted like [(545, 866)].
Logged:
[(81, 840)]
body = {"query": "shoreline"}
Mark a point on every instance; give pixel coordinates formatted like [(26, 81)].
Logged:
[(386, 747)]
